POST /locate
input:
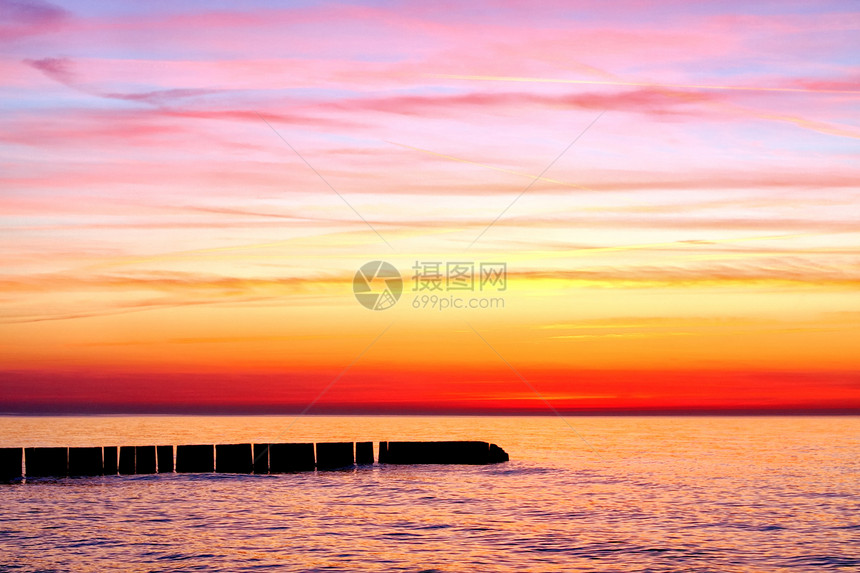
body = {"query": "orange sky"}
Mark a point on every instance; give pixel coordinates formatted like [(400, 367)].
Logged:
[(673, 192)]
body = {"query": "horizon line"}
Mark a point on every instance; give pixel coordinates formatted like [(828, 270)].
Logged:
[(632, 412)]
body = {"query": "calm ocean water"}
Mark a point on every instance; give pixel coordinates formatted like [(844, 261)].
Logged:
[(660, 494)]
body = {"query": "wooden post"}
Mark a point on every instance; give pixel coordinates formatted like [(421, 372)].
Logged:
[(261, 458), (335, 455), (285, 458), (11, 464), (126, 460), (46, 462), (364, 453), (443, 453), (498, 455), (164, 457), (144, 459), (234, 458), (195, 459), (110, 460), (85, 462)]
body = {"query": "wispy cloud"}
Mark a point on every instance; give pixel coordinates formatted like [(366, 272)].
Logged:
[(22, 18), (140, 181)]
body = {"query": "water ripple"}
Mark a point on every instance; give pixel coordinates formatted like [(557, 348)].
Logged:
[(711, 501)]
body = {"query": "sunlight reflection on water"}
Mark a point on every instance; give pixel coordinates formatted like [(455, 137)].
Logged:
[(668, 494)]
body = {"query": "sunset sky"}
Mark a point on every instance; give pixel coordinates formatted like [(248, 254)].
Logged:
[(187, 190)]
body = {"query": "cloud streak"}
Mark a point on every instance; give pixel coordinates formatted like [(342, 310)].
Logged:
[(149, 215)]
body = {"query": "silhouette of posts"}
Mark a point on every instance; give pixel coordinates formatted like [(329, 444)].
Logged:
[(261, 458), (126, 460), (110, 460), (164, 459), (144, 459), (85, 462), (335, 455), (285, 458), (461, 452), (364, 453), (498, 455), (234, 458), (195, 459), (46, 462), (11, 460)]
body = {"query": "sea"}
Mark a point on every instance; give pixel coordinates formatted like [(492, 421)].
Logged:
[(586, 493)]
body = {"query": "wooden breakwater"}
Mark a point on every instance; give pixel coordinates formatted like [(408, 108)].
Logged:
[(18, 463)]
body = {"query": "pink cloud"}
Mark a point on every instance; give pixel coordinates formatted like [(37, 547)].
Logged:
[(22, 18)]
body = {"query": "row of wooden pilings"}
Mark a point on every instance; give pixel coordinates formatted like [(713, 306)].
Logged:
[(17, 463)]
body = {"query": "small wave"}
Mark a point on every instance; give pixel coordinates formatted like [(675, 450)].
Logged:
[(507, 470), (829, 561)]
